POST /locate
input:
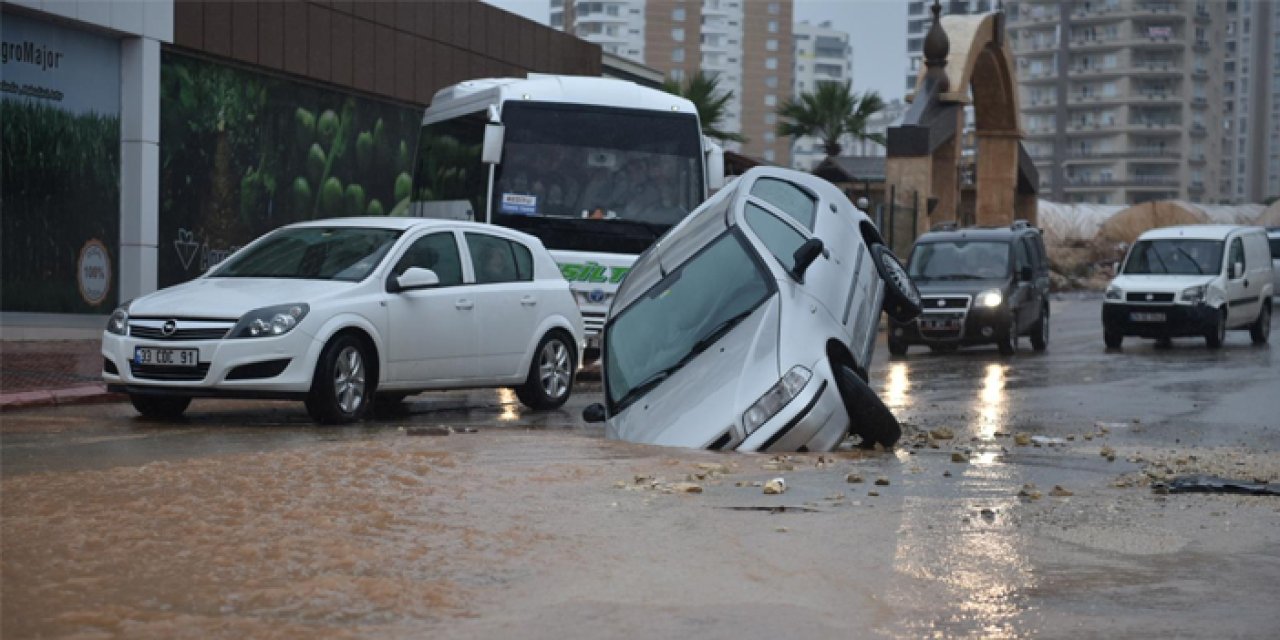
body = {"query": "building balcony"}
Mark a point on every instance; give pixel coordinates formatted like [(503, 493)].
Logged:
[(1084, 99), (1198, 129), (1111, 183), (1099, 72), (1162, 8), (1155, 68), (1089, 44), (1152, 96)]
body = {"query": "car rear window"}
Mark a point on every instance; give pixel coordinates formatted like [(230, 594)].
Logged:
[(788, 198)]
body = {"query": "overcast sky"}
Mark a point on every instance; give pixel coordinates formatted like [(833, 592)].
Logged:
[(878, 29)]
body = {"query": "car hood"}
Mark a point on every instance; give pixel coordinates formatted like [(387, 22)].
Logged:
[(1158, 283), (699, 402), (942, 287), (230, 298)]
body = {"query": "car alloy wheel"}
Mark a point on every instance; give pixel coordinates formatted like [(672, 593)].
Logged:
[(554, 369), (349, 380)]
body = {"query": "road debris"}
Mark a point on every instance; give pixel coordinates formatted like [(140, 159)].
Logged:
[(428, 431), (1059, 492), (686, 487), (1029, 492), (775, 486), (1212, 484), (941, 433), (957, 456), (1108, 453), (882, 481), (853, 478), (1022, 439), (1047, 441)]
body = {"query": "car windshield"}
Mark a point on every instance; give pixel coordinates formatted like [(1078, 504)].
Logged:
[(959, 260), (1176, 256), (682, 315), (313, 253)]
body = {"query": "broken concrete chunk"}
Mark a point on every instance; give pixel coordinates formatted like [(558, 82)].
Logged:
[(775, 486), (957, 456), (882, 481), (853, 478), (428, 431), (1108, 453), (1022, 439), (713, 467), (941, 433), (1059, 492), (686, 487), (873, 494)]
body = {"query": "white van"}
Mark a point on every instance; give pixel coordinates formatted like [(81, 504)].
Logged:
[(1197, 280)]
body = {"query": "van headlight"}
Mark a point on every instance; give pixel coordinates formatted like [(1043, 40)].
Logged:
[(1193, 295), (776, 398), (270, 321), (118, 323), (990, 298), (1114, 293)]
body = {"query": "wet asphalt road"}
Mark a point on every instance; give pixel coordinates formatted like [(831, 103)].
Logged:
[(245, 520)]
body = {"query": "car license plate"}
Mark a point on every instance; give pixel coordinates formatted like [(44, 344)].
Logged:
[(166, 357), (1138, 316), (940, 325)]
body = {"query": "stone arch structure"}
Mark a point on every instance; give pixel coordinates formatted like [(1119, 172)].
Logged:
[(967, 61)]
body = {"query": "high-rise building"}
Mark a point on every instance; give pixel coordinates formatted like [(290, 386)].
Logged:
[(1250, 163), (918, 20), (746, 44), (822, 54), (1120, 102)]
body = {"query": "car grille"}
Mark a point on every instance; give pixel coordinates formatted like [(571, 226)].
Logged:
[(181, 329), (169, 373), (1149, 297), (944, 303), (593, 322)]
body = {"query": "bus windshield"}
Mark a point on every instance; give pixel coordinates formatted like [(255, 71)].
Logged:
[(596, 179)]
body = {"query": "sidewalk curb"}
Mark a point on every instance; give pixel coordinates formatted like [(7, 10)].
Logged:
[(86, 394)]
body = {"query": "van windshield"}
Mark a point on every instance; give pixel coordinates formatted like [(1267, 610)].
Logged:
[(1175, 256), (959, 260), (683, 314)]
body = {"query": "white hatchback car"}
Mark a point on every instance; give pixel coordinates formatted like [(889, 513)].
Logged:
[(750, 325), (332, 312)]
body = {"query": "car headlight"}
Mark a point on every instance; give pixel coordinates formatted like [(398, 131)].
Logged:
[(1114, 293), (270, 321), (776, 398), (118, 323), (990, 298), (1193, 294)]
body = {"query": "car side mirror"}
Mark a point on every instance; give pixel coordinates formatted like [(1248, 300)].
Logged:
[(804, 256), (1237, 270), (1026, 274), (594, 413), (416, 278)]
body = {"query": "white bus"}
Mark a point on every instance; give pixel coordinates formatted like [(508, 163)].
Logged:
[(596, 168)]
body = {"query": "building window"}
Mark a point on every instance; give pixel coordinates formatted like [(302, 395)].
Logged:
[(769, 155), (677, 14), (770, 100), (677, 34), (677, 54), (771, 63), (772, 82), (775, 8), (773, 26), (771, 44), (770, 118), (769, 137), (677, 75)]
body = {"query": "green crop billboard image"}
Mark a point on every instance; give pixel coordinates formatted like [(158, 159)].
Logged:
[(242, 153)]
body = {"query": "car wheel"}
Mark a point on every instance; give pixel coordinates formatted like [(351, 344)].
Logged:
[(897, 348), (1112, 338), (1218, 334), (901, 298), (550, 379), (868, 417), (1007, 341), (1040, 331), (1260, 330), (160, 407), (340, 390)]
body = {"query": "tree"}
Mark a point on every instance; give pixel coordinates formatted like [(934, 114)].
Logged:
[(829, 113), (704, 92)]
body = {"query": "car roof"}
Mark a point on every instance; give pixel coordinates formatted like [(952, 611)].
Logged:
[(397, 223), (995, 234), (1194, 231)]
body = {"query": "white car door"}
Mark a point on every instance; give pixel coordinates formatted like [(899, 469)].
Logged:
[(433, 337), (509, 303), (1241, 307)]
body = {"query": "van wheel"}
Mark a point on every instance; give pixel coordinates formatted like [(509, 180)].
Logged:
[(1260, 330), (1218, 334), (550, 378), (1007, 341), (160, 407), (1113, 339), (1040, 331), (340, 390), (897, 348), (868, 417), (901, 297)]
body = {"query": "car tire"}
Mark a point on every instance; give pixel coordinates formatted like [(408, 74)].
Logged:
[(1218, 333), (160, 407), (901, 297), (551, 372), (1112, 339), (1260, 330), (897, 348), (1007, 341), (389, 405), (340, 390), (1040, 331), (868, 417)]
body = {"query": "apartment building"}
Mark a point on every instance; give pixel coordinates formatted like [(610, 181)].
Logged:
[(1119, 99), (747, 44), (822, 54), (1250, 162)]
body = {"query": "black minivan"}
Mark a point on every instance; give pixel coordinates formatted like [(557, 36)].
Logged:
[(979, 285)]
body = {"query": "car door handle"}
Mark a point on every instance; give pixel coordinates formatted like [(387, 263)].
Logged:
[(1246, 283), (464, 305), (528, 301)]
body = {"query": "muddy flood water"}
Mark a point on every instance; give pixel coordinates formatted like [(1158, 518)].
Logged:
[(245, 521)]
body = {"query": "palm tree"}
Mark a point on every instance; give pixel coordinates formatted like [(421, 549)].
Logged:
[(704, 92), (830, 113)]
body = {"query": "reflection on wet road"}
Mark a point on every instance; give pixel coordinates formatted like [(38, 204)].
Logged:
[(245, 520)]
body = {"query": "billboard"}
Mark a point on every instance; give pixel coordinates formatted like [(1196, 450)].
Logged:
[(243, 152), (59, 167)]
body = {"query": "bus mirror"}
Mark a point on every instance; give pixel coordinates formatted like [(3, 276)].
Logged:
[(492, 151), (715, 166)]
